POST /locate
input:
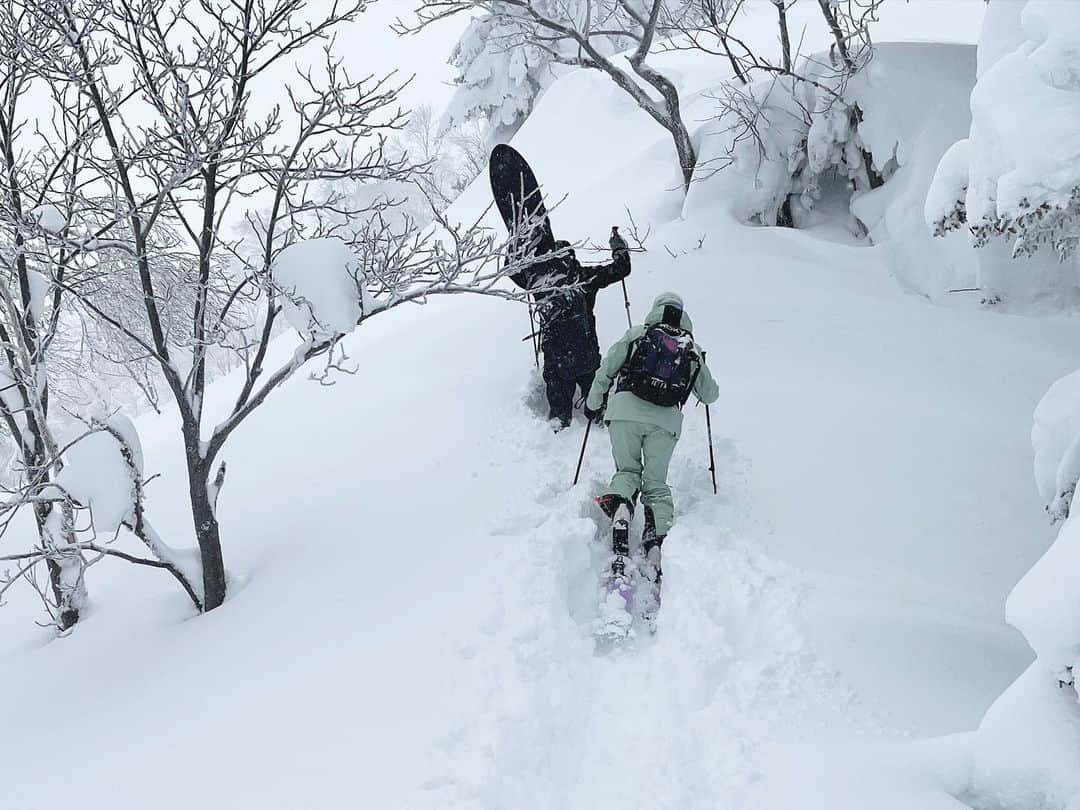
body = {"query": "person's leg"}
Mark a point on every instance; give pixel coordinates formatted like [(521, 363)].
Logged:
[(560, 395), (626, 451), (657, 447), (618, 503)]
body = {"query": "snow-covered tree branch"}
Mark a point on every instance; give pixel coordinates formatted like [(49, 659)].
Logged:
[(211, 225), (580, 33)]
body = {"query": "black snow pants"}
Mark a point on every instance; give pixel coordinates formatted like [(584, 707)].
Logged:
[(560, 393)]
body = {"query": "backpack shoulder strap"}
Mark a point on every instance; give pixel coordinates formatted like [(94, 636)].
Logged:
[(693, 382)]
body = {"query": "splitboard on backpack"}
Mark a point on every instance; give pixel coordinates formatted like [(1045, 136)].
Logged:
[(520, 202)]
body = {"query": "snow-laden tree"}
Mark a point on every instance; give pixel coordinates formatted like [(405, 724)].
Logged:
[(446, 159), (1015, 181), (500, 76), (785, 119), (30, 225), (44, 246), (230, 219), (580, 33)]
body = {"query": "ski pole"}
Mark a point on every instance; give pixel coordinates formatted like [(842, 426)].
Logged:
[(618, 242), (585, 441), (712, 458)]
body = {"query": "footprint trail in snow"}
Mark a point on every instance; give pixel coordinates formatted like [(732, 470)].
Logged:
[(676, 719)]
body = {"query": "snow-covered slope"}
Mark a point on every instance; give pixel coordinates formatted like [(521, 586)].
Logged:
[(413, 573)]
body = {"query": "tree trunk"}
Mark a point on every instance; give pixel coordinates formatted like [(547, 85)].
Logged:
[(68, 587), (207, 534), (67, 614), (785, 218), (685, 148), (785, 39)]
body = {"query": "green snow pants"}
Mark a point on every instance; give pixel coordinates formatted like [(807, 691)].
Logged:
[(642, 454)]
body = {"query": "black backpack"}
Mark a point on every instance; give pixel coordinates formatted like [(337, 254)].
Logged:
[(661, 365)]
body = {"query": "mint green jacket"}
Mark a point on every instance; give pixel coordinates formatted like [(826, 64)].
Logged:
[(623, 405)]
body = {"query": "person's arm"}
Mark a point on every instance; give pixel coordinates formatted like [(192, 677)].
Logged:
[(705, 387), (598, 276), (610, 366)]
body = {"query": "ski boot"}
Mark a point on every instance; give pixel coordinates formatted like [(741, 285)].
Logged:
[(614, 619), (558, 423), (651, 544)]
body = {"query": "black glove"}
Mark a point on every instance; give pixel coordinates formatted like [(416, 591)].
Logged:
[(617, 243), (596, 417)]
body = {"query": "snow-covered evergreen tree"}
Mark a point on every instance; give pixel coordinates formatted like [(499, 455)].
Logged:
[(1015, 181), (500, 76)]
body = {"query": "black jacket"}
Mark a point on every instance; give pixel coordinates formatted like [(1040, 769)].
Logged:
[(565, 295)]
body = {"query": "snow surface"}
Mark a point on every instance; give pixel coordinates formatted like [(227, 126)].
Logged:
[(413, 576)]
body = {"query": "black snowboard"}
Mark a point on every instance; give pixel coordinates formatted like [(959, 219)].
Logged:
[(518, 197)]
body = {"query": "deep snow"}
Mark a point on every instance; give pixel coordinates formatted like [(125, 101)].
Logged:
[(413, 576)]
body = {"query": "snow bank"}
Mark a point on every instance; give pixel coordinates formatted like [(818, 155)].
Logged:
[(1045, 604), (913, 99), (1028, 745), (1054, 437), (325, 294), (1027, 749)]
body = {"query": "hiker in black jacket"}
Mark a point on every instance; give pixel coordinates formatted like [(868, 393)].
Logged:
[(565, 294)]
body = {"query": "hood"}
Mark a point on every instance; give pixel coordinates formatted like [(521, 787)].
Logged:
[(656, 314)]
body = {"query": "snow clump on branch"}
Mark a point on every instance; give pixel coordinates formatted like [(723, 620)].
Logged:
[(99, 475), (325, 293)]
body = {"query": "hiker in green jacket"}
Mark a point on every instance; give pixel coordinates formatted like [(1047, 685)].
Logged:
[(656, 366)]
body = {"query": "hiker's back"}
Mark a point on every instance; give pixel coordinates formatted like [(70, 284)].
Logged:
[(662, 367)]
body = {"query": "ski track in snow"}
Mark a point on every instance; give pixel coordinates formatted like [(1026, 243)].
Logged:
[(677, 718)]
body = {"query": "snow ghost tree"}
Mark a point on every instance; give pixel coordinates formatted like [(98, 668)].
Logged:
[(500, 76), (1015, 181), (578, 33)]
